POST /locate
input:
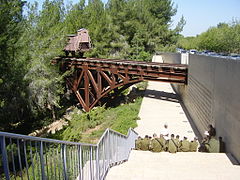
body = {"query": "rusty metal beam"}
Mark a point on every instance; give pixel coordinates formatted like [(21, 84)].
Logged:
[(94, 78)]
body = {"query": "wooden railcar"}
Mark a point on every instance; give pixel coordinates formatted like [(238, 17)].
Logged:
[(78, 43)]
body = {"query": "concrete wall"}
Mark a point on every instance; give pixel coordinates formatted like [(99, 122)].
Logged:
[(212, 96), (171, 57)]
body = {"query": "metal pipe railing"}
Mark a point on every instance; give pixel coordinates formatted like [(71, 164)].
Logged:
[(33, 158)]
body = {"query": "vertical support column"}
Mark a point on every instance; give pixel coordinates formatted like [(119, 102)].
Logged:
[(99, 82), (86, 87), (113, 78), (126, 79), (4, 157)]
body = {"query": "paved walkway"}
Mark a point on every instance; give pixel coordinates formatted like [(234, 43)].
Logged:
[(144, 165), (160, 105)]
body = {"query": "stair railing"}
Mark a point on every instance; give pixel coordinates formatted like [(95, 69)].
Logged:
[(26, 157)]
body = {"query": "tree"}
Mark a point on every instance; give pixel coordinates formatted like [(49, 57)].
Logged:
[(31, 88), (224, 38), (12, 67), (143, 25), (44, 82)]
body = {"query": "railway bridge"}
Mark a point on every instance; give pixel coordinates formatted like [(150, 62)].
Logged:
[(94, 78)]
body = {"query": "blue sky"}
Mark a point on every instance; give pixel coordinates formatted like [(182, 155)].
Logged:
[(200, 14)]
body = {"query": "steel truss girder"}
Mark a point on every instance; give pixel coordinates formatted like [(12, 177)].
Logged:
[(94, 78)]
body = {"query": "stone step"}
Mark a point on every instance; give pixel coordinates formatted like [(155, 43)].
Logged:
[(144, 165), (158, 108)]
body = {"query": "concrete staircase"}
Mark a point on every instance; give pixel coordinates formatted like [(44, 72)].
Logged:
[(144, 165), (159, 106)]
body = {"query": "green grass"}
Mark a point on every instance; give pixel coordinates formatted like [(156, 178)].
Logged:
[(89, 126), (119, 118)]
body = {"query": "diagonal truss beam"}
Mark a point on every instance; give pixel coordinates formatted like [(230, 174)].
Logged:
[(95, 78)]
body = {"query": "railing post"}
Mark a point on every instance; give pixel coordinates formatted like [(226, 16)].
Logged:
[(80, 162), (91, 167), (42, 161), (108, 147), (104, 154), (25, 156), (113, 148), (97, 163), (4, 157), (64, 161)]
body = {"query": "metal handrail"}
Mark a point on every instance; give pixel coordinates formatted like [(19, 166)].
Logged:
[(28, 157)]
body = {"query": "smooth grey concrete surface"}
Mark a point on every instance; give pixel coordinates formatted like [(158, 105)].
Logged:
[(160, 105), (145, 165), (171, 57), (212, 96)]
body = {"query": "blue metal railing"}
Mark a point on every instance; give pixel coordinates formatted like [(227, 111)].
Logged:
[(26, 157)]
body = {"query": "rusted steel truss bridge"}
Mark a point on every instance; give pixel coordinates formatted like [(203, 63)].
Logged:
[(94, 78)]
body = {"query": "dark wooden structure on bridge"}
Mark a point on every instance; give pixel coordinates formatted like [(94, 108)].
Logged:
[(94, 78)]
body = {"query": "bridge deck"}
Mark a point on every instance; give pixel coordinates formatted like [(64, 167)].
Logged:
[(152, 71), (121, 62)]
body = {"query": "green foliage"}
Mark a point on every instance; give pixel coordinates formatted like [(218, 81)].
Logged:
[(89, 126), (31, 86), (188, 43), (132, 29), (125, 116), (32, 90), (142, 85), (12, 68), (1, 101), (223, 38)]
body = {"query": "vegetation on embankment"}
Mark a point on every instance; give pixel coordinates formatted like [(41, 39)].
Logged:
[(89, 126)]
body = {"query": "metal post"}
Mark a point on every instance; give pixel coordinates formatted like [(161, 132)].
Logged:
[(4, 157), (91, 168), (117, 152), (80, 162), (32, 163), (113, 148), (59, 161), (108, 148), (37, 158), (19, 159), (13, 163), (25, 157), (42, 161), (64, 161), (97, 163)]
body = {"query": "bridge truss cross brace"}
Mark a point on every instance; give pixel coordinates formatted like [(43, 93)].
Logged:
[(91, 86), (94, 79)]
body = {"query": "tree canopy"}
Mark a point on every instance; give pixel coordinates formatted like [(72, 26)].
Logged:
[(31, 89), (223, 38)]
